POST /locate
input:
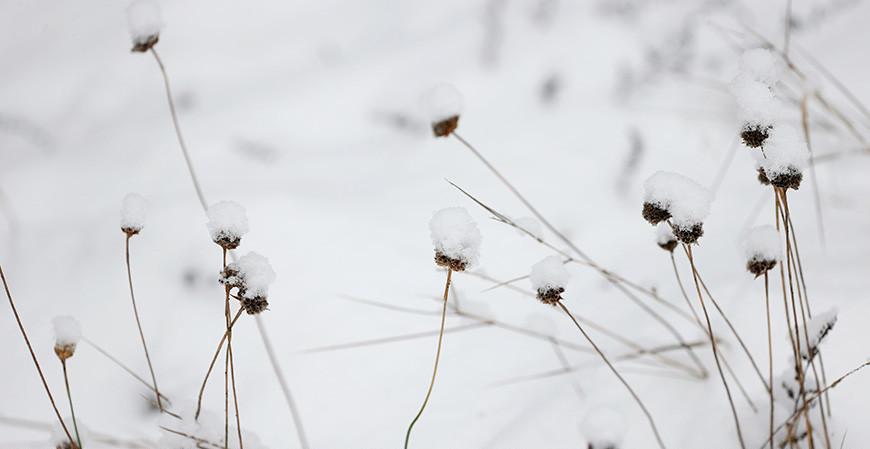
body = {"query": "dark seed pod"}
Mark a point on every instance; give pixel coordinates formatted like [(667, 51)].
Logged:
[(64, 351), (762, 177), (254, 305), (759, 267), (446, 262), (654, 213), (227, 242), (689, 234), (669, 245), (444, 127), (146, 44), (791, 179), (550, 296), (754, 135), (67, 445), (130, 231)]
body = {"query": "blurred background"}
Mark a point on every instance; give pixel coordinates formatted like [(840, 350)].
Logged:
[(308, 114)]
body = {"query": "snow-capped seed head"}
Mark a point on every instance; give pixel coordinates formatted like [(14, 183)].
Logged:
[(456, 238), (762, 65), (756, 104), (754, 135), (145, 22), (227, 223), (443, 105), (684, 201), (67, 334), (252, 275), (762, 176), (665, 237), (761, 249), (785, 156), (549, 277), (603, 428), (134, 210), (818, 328)]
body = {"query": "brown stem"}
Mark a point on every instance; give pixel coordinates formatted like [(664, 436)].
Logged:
[(232, 365), (437, 359), (217, 354), (618, 376), (69, 399), (139, 323), (769, 353), (33, 356)]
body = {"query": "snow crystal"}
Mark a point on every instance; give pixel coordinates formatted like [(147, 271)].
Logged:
[(441, 102), (664, 234), (66, 331), (144, 20), (818, 328), (763, 65), (455, 235), (761, 243), (257, 274), (785, 152), (603, 428), (529, 224), (687, 201), (227, 221), (756, 102), (549, 274), (134, 209)]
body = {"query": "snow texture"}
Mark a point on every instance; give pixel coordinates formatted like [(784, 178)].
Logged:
[(785, 152), (664, 234), (67, 331), (144, 20), (757, 105), (686, 200), (455, 235), (762, 65), (549, 274), (227, 220), (817, 329), (441, 102), (256, 273), (134, 210), (762, 243)]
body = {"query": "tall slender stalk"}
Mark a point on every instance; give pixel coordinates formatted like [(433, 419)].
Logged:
[(769, 353), (232, 367), (72, 410), (33, 356), (214, 358), (139, 323), (437, 359), (631, 391), (688, 250)]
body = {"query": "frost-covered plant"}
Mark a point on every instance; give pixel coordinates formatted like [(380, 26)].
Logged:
[(674, 197), (442, 105), (67, 334), (665, 237), (785, 157), (549, 278), (761, 249), (134, 210), (760, 70), (251, 275), (456, 238), (145, 23), (227, 223), (817, 328)]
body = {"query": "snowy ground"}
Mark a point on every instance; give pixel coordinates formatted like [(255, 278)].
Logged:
[(304, 112)]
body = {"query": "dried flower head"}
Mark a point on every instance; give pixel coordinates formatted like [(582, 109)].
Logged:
[(654, 213), (67, 334), (443, 105), (685, 201), (785, 156), (762, 177), (227, 223), (761, 249), (665, 237), (251, 275), (145, 22), (689, 233), (134, 209), (549, 277), (754, 135), (456, 238)]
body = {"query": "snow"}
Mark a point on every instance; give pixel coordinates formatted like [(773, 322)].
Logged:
[(144, 20), (441, 102), (530, 224), (664, 234), (209, 427), (256, 274), (785, 151), (686, 200), (549, 274), (134, 210), (762, 65), (603, 428), (756, 102), (58, 437), (227, 220), (762, 243), (455, 235), (67, 331), (817, 329)]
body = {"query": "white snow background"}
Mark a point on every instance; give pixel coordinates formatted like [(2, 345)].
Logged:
[(307, 114)]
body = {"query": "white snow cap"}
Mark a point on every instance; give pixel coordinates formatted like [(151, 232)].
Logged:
[(762, 243), (134, 209), (686, 200), (664, 234), (549, 274), (785, 151), (227, 220), (603, 428), (144, 20), (66, 331), (763, 65), (455, 235), (529, 224), (756, 103), (257, 274), (818, 328), (441, 102)]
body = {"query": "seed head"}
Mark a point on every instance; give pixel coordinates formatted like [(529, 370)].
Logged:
[(67, 333), (134, 210), (443, 105), (665, 237), (654, 213), (754, 135), (549, 278), (255, 305), (790, 178), (145, 22), (455, 237), (689, 234), (227, 223)]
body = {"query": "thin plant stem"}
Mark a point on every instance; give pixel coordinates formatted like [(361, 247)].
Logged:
[(769, 353), (33, 356), (618, 376), (72, 410), (437, 359), (231, 364), (235, 398), (217, 354), (139, 323), (713, 344)]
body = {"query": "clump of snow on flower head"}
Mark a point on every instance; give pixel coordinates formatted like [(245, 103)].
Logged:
[(603, 428), (456, 238), (67, 330), (757, 105), (665, 237), (134, 210), (227, 223), (785, 157), (549, 277), (684, 201), (818, 327), (761, 249), (762, 65), (145, 22), (442, 105), (257, 273)]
